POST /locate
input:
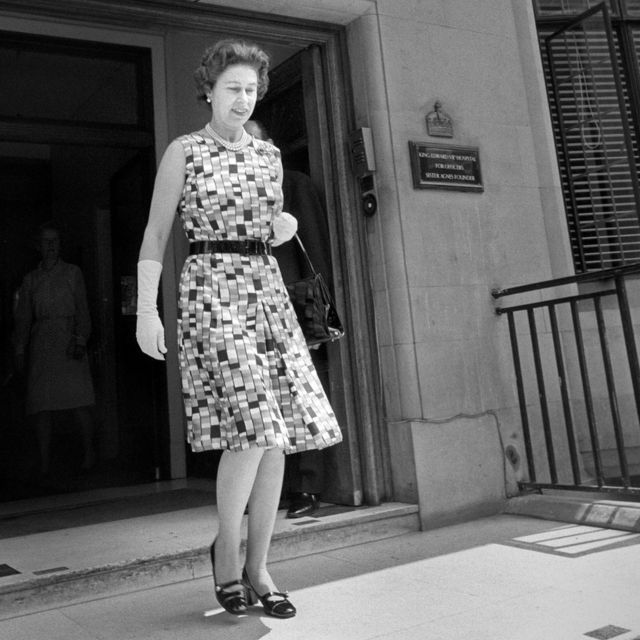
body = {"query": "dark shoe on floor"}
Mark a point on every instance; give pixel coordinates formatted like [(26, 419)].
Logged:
[(234, 600), (275, 603), (302, 504)]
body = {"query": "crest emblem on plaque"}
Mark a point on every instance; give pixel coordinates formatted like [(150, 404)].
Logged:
[(439, 123)]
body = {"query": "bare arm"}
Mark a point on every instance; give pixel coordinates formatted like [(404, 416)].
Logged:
[(166, 195)]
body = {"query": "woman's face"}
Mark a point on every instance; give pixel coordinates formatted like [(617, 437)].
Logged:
[(233, 98), (49, 245)]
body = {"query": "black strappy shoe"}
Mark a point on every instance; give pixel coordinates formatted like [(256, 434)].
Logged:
[(275, 603), (235, 602)]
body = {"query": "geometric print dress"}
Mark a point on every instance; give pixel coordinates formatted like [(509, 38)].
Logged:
[(247, 376)]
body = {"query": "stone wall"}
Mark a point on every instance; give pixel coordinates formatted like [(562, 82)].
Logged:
[(436, 254)]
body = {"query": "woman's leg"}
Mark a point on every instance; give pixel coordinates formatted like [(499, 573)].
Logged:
[(263, 508), (85, 421), (43, 433), (236, 474)]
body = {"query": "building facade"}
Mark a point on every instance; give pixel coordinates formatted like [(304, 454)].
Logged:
[(457, 192)]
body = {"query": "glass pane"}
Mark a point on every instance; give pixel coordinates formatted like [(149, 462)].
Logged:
[(568, 7), (101, 236), (632, 8), (591, 138), (67, 86)]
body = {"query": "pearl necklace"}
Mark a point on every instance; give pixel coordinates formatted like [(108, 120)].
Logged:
[(245, 138)]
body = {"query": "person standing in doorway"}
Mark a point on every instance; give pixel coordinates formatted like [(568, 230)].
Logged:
[(304, 472), (249, 385), (52, 327)]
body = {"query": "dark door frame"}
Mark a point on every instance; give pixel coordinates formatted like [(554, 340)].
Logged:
[(329, 73)]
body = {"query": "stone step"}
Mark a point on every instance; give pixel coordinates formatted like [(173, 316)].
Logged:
[(184, 556)]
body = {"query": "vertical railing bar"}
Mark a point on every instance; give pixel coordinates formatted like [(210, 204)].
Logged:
[(564, 394), (522, 400), (586, 388), (611, 389), (629, 339), (542, 394)]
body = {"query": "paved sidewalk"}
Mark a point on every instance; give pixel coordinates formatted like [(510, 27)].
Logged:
[(499, 578)]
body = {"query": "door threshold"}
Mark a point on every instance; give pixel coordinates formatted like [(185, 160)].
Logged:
[(54, 502)]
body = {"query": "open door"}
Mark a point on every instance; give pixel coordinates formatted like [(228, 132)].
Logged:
[(294, 116), (90, 173), (139, 380)]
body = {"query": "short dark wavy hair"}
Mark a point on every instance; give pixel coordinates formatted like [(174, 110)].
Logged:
[(49, 225), (226, 53)]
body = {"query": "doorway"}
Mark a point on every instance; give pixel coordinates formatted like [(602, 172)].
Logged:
[(358, 469), (77, 151)]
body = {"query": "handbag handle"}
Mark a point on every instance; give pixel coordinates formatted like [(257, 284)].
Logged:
[(306, 255)]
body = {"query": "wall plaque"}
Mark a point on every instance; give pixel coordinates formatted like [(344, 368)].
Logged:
[(445, 166)]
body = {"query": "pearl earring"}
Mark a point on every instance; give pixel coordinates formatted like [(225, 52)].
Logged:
[(208, 100)]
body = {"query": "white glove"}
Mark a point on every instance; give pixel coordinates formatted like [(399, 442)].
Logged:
[(149, 329), (284, 228)]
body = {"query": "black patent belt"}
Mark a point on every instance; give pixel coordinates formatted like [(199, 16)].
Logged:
[(243, 247)]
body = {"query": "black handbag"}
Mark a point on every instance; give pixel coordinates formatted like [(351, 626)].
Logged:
[(314, 306)]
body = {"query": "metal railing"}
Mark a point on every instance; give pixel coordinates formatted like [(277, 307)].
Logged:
[(578, 434)]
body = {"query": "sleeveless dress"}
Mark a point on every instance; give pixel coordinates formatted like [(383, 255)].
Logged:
[(247, 375)]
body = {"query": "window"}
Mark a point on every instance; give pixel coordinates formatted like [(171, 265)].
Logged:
[(590, 62), (93, 83)]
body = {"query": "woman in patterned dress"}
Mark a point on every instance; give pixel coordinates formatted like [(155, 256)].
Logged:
[(249, 385)]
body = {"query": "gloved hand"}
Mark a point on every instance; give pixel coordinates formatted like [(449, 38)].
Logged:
[(149, 329), (284, 228)]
